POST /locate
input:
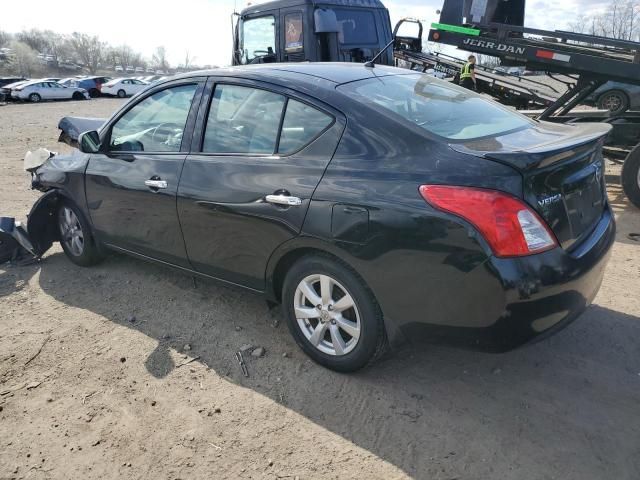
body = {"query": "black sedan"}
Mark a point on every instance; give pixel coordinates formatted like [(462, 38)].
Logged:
[(374, 203)]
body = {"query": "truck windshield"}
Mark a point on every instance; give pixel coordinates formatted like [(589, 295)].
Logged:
[(258, 38), (356, 27), (437, 106)]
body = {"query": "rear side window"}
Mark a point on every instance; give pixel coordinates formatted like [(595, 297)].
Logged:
[(437, 106), (356, 27), (301, 125), (243, 120)]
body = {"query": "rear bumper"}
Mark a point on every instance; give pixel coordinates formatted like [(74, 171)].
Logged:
[(535, 296)]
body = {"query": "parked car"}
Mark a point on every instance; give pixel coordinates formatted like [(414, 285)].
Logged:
[(8, 80), (118, 68), (616, 97), (139, 70), (38, 90), (5, 91), (123, 87), (93, 85), (373, 203)]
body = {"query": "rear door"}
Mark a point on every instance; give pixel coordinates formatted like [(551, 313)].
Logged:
[(131, 184), (256, 159)]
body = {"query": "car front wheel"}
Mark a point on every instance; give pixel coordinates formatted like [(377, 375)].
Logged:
[(122, 93), (616, 101), (75, 236), (332, 315)]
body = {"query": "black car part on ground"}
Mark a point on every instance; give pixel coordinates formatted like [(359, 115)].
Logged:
[(594, 60)]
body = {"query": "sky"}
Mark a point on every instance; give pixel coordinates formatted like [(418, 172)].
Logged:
[(203, 27)]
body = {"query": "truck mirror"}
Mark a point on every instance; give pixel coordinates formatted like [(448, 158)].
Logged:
[(325, 20)]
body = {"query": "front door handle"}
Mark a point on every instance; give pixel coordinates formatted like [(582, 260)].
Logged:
[(156, 184), (286, 200)]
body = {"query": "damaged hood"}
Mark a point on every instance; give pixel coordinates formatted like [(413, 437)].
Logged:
[(72, 127)]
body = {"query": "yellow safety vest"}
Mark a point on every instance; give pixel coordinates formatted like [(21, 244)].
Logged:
[(466, 71)]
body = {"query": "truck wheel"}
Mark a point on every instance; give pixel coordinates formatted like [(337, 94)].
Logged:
[(616, 101), (631, 176)]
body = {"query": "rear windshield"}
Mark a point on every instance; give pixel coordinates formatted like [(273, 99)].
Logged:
[(356, 27), (437, 106)]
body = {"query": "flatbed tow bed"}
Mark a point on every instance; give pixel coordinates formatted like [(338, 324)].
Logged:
[(590, 60)]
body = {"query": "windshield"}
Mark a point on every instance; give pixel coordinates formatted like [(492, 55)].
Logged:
[(436, 106), (258, 38)]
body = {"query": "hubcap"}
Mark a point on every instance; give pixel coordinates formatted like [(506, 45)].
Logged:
[(612, 102), (327, 315), (71, 231)]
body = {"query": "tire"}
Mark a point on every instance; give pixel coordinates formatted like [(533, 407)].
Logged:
[(318, 333), (35, 98), (631, 176), (77, 96), (75, 236), (122, 93), (94, 93), (616, 101)]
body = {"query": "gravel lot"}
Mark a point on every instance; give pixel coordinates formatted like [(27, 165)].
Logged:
[(126, 370)]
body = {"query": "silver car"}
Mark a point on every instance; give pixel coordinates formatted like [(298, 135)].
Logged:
[(38, 90)]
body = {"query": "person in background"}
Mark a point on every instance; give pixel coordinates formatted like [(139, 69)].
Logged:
[(468, 74)]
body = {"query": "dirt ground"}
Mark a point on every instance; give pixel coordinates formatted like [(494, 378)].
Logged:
[(127, 370)]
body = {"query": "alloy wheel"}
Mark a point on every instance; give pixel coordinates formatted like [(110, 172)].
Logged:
[(71, 231), (612, 102), (327, 314)]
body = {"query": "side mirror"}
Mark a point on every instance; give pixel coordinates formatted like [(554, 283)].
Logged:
[(89, 142)]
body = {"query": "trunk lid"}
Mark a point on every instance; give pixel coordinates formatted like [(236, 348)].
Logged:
[(563, 172)]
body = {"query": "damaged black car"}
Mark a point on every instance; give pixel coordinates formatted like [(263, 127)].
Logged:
[(375, 204)]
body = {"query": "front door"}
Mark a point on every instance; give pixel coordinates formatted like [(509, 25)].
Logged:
[(246, 187), (131, 184)]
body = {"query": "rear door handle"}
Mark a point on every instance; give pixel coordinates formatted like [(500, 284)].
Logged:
[(155, 183), (283, 200)]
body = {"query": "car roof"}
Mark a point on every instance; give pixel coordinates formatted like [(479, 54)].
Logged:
[(320, 74), (294, 3)]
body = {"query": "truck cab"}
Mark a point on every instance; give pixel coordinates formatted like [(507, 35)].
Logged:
[(312, 30)]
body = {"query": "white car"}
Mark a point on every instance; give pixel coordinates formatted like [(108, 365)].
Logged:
[(38, 90), (123, 87)]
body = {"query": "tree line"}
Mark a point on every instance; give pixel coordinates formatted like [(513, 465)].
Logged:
[(32, 51)]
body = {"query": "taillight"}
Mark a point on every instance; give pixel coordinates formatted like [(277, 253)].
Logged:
[(510, 226)]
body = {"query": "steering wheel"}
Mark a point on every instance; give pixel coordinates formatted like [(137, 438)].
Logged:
[(168, 130)]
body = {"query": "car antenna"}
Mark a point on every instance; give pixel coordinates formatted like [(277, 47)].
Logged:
[(372, 63)]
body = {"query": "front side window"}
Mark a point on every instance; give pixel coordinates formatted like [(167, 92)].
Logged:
[(156, 124), (300, 126), (437, 106), (243, 120), (258, 38), (356, 27), (293, 32)]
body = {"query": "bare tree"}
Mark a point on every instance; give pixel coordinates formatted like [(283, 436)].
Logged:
[(89, 50), (125, 55), (621, 20), (36, 39), (5, 38), (188, 59), (160, 59), (24, 61)]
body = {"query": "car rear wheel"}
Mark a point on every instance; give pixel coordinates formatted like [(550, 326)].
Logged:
[(616, 101), (122, 93), (631, 176), (35, 98), (75, 236), (94, 92), (77, 96), (332, 315)]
